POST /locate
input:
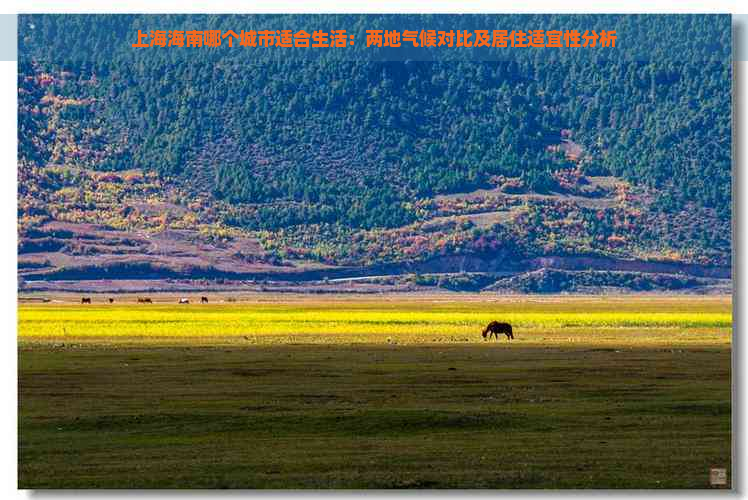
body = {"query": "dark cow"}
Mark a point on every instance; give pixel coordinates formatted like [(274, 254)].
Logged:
[(86, 300), (495, 328), (111, 300), (144, 300), (203, 300)]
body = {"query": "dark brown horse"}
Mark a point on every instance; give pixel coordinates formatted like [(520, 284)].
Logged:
[(86, 300), (495, 328), (203, 300)]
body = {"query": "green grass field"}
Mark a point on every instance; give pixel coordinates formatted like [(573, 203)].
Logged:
[(394, 392)]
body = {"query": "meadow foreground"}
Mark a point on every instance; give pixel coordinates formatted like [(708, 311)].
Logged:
[(630, 392)]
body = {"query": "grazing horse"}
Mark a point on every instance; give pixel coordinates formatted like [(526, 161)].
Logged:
[(184, 301), (495, 328), (203, 300), (86, 300), (144, 300)]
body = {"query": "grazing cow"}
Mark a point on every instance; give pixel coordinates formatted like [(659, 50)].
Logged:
[(184, 301), (144, 300), (111, 300), (86, 300), (203, 300), (495, 328)]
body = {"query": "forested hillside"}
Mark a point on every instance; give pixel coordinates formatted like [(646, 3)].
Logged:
[(331, 162)]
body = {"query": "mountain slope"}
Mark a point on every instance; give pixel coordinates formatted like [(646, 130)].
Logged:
[(260, 168)]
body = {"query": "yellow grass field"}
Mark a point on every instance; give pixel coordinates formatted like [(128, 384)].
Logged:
[(620, 320)]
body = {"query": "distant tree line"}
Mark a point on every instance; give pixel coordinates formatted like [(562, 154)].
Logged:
[(324, 141)]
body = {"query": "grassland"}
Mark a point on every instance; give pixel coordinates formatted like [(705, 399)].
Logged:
[(354, 393)]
